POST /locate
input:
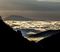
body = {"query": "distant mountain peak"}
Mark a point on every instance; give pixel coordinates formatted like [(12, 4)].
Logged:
[(18, 18)]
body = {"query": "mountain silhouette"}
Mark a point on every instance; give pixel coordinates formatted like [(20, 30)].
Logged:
[(11, 40), (51, 44), (17, 18)]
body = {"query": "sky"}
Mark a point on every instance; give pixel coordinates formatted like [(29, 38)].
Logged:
[(33, 9)]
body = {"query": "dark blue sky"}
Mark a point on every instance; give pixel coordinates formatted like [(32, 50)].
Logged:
[(34, 9)]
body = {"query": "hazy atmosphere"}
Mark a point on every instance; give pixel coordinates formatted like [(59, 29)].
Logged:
[(32, 9)]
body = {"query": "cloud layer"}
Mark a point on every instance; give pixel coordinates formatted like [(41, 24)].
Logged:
[(29, 6)]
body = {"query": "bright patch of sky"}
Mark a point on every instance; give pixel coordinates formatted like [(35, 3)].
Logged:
[(30, 0), (49, 0)]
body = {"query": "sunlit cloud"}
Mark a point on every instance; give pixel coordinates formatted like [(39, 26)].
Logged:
[(32, 27)]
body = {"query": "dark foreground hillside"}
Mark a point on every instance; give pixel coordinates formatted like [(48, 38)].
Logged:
[(13, 41), (51, 43)]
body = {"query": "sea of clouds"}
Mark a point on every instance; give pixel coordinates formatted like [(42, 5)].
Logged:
[(33, 27)]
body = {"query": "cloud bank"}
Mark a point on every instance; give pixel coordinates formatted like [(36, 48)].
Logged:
[(30, 6)]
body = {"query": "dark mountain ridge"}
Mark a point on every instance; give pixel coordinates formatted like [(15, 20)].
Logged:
[(11, 40), (51, 44)]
